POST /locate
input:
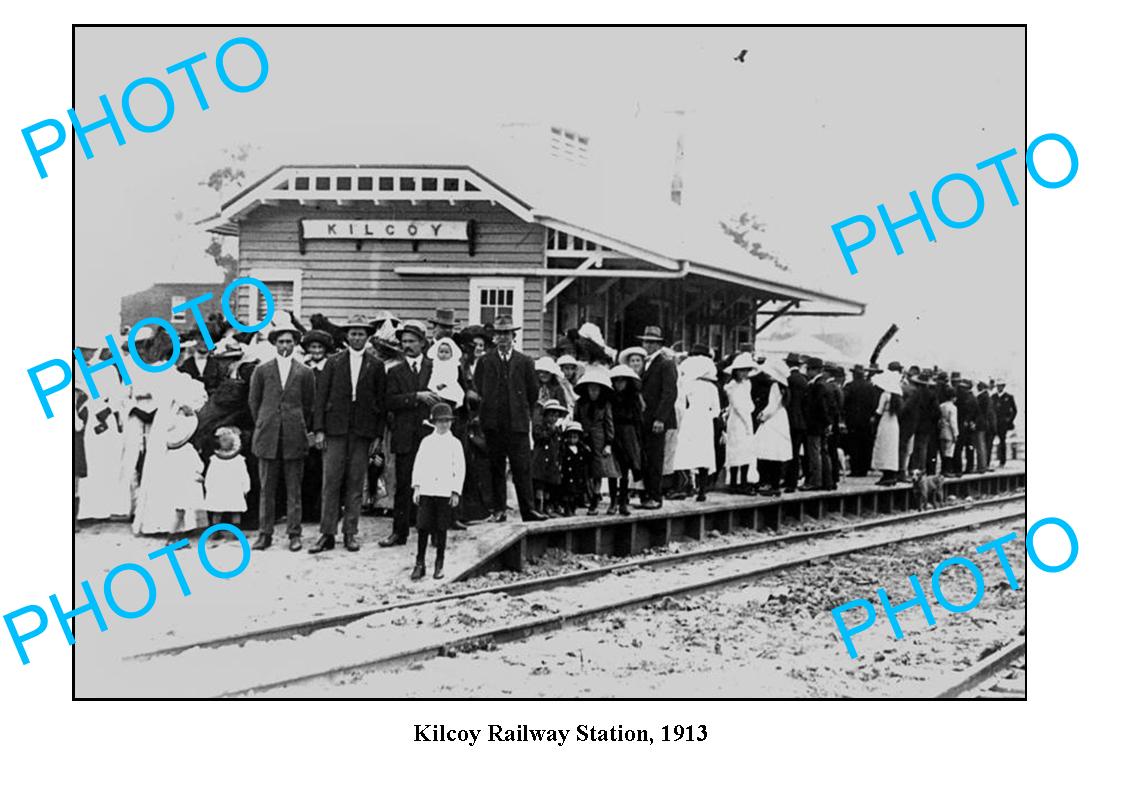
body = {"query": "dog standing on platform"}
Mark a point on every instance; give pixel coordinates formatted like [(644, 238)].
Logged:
[(928, 489), (438, 477)]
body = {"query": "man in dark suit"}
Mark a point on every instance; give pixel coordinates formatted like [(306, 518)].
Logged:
[(317, 345), (200, 365), (660, 391), (408, 398), (967, 410), (927, 409), (986, 428), (1005, 410), (816, 413), (282, 396), (508, 388), (859, 402), (348, 420), (797, 400)]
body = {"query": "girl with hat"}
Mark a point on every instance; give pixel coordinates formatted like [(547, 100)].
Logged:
[(445, 378), (575, 464), (594, 412), (550, 380), (886, 444), (773, 438), (170, 497), (228, 481), (694, 448), (740, 446), (627, 417), (545, 468), (633, 357)]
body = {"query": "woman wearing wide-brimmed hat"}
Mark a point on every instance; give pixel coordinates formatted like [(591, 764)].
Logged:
[(773, 437), (886, 444), (740, 438), (694, 447)]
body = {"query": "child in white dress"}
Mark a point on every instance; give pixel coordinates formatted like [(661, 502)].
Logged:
[(228, 480), (445, 379)]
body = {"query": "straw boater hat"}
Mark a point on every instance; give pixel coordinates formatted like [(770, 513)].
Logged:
[(281, 326), (630, 352), (597, 375), (572, 425), (183, 428), (743, 361), (623, 372), (228, 431), (504, 324), (417, 328), (652, 333), (554, 405)]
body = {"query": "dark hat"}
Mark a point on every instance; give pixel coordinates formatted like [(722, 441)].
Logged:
[(982, 385), (357, 321), (440, 411), (914, 369), (699, 350), (317, 336), (444, 318), (651, 333), (942, 375), (955, 375), (416, 327), (837, 370), (894, 365), (504, 324), (857, 369), (814, 363), (793, 359)]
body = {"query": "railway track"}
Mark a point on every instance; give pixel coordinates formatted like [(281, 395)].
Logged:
[(1000, 675), (690, 574), (531, 585)]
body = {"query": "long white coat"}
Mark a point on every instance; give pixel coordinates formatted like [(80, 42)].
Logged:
[(695, 446), (774, 436), (740, 441)]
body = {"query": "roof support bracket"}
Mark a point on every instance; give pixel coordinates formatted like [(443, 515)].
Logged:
[(779, 314), (593, 261)]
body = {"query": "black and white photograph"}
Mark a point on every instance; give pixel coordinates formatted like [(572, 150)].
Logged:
[(551, 362)]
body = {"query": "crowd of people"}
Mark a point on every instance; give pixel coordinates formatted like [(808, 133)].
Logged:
[(427, 423)]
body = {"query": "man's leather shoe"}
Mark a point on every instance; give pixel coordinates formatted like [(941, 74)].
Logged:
[(650, 504), (262, 542), (294, 544), (390, 541), (418, 571), (325, 542), (350, 543), (497, 516), (534, 516)]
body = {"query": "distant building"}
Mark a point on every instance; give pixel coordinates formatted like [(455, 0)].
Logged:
[(157, 302)]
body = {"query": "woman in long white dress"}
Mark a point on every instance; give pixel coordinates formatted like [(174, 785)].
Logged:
[(104, 492), (885, 444), (694, 451), (740, 444), (168, 485), (773, 434)]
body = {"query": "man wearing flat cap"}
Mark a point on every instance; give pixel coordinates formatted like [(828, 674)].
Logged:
[(409, 399), (660, 391), (348, 421), (508, 388), (282, 396)]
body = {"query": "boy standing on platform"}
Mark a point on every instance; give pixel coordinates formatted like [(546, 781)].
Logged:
[(438, 477)]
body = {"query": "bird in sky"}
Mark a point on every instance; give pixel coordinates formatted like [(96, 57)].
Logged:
[(741, 56)]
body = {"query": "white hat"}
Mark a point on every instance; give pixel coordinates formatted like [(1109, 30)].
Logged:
[(566, 359), (623, 372), (743, 361), (598, 375), (549, 365)]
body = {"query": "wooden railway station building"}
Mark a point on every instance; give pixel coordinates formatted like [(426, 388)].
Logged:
[(411, 238)]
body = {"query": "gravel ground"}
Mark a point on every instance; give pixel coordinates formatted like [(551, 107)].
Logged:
[(772, 637)]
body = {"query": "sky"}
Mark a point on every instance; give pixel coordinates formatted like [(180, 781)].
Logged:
[(814, 126)]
